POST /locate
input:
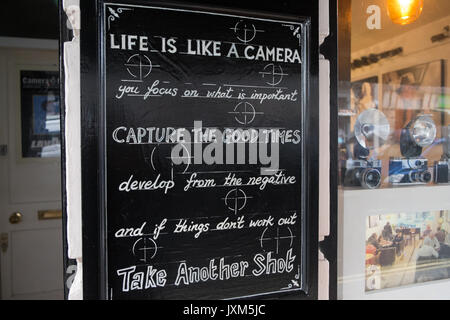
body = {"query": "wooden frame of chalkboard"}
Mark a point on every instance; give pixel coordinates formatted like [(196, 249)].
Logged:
[(100, 252)]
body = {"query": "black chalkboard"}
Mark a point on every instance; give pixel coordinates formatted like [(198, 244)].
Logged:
[(203, 152)]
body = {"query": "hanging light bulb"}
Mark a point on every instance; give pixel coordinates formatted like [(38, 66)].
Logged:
[(404, 11)]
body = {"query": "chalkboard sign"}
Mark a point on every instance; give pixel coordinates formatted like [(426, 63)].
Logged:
[(204, 152)]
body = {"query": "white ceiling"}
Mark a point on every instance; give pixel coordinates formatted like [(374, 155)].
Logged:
[(363, 37)]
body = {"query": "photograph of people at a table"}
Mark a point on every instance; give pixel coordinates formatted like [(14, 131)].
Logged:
[(406, 249)]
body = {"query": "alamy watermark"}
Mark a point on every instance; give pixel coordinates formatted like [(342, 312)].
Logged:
[(212, 146)]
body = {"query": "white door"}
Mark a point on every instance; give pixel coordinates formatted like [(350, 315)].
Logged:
[(31, 256)]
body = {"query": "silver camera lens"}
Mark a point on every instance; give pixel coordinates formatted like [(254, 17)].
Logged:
[(370, 178), (420, 176), (419, 163), (424, 131)]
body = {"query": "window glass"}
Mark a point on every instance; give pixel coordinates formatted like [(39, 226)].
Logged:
[(394, 152)]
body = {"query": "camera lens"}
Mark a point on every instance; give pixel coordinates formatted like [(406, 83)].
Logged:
[(370, 178), (420, 176), (424, 131), (426, 177)]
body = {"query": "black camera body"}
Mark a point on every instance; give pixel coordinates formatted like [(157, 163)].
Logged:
[(410, 171), (413, 168), (362, 173), (442, 171), (442, 167)]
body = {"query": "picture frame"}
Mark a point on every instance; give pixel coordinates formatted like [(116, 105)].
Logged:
[(39, 114)]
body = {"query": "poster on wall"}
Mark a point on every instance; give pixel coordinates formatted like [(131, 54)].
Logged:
[(40, 114), (412, 91), (204, 153), (418, 87), (406, 249), (364, 95)]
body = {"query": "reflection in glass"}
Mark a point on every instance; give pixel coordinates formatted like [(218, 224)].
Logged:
[(404, 11)]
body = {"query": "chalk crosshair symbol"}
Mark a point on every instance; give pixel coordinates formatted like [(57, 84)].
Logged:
[(277, 239), (139, 66), (142, 246), (236, 200), (244, 113), (244, 31), (275, 73), (171, 158), (188, 157)]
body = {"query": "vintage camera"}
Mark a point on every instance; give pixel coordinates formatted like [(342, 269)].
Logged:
[(413, 168), (442, 171), (409, 171), (371, 131), (362, 173), (442, 167)]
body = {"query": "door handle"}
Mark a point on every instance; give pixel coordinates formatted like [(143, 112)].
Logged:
[(15, 218)]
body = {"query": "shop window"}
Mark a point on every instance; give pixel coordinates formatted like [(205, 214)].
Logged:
[(394, 152)]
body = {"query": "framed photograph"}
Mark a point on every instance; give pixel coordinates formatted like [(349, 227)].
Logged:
[(40, 114), (364, 94), (416, 87), (45, 114), (411, 91), (406, 249)]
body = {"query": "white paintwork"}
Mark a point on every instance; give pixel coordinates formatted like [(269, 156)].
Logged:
[(357, 206), (324, 20), (324, 278), (324, 149), (73, 146), (32, 266), (25, 282), (74, 17), (324, 173), (76, 290)]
